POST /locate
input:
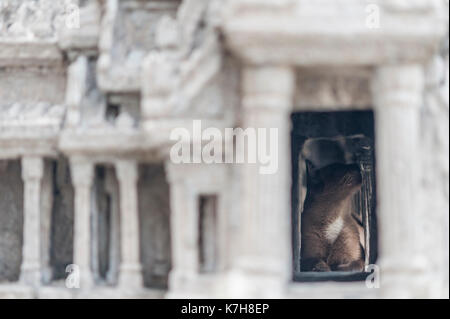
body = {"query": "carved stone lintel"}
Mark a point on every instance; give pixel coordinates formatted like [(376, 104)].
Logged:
[(333, 89), (275, 43)]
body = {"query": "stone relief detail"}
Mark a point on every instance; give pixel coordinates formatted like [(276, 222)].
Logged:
[(84, 36), (134, 22), (85, 103), (40, 19), (188, 59), (42, 115)]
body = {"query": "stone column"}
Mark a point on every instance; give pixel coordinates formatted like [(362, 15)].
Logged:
[(266, 221), (82, 176), (184, 233), (130, 268), (397, 92), (32, 172)]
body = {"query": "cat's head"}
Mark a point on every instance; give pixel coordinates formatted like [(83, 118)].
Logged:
[(337, 178)]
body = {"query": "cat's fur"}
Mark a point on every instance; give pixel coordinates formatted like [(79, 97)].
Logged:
[(330, 234)]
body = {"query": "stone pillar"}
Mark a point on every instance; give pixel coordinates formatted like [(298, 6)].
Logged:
[(82, 176), (183, 228), (130, 268), (397, 92), (266, 220), (32, 172)]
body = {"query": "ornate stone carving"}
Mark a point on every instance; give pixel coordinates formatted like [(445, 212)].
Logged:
[(85, 35), (175, 76), (120, 61), (33, 19), (111, 91)]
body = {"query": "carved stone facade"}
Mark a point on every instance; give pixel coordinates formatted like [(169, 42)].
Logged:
[(90, 91)]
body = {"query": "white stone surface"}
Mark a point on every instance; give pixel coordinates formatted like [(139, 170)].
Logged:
[(130, 266), (111, 91), (32, 172)]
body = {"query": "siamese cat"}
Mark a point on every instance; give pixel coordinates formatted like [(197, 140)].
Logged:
[(330, 233)]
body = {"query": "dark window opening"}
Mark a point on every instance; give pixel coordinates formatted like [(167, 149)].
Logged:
[(105, 225), (154, 225), (112, 112), (207, 233), (333, 165), (104, 245), (62, 218), (11, 219), (123, 109)]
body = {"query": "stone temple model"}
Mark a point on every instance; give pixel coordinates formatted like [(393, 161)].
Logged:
[(91, 206)]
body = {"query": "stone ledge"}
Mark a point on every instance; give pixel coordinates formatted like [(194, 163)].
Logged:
[(15, 291), (326, 40), (57, 291), (329, 290), (35, 144), (111, 141), (29, 53)]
